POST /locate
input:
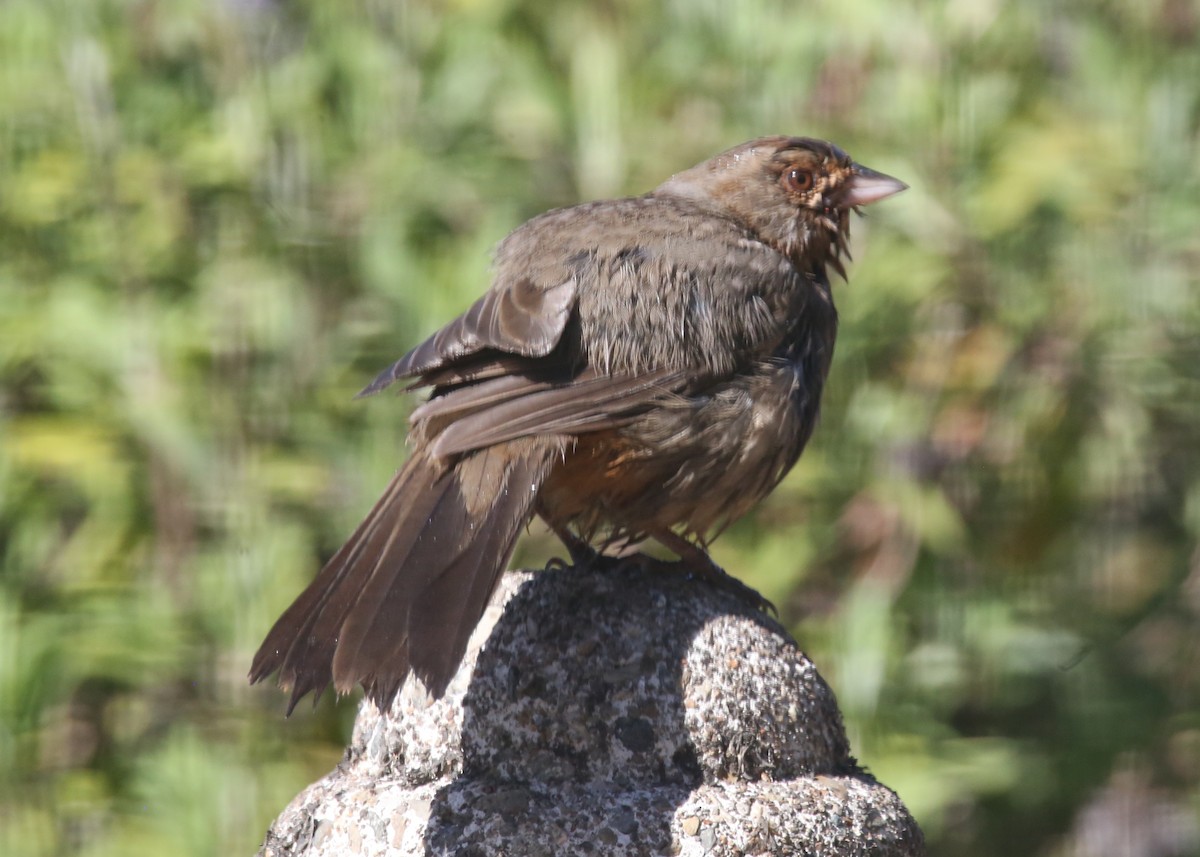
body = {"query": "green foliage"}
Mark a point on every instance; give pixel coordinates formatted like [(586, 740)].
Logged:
[(218, 220)]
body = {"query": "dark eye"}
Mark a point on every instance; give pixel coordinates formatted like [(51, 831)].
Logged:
[(798, 180)]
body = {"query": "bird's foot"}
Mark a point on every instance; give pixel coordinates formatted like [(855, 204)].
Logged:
[(582, 554), (695, 562)]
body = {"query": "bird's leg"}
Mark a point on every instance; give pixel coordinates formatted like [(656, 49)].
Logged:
[(694, 561), (582, 554)]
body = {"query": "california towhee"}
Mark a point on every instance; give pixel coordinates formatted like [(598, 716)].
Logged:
[(640, 368)]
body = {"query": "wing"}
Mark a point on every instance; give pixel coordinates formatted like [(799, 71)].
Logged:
[(480, 415), (517, 317), (598, 313)]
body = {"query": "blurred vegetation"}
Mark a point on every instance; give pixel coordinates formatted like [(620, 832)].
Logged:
[(219, 219)]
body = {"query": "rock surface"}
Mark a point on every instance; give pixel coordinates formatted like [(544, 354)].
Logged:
[(606, 713)]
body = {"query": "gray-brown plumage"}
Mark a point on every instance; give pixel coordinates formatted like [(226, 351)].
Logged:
[(640, 368)]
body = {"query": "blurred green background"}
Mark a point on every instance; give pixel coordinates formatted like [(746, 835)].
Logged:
[(218, 220)]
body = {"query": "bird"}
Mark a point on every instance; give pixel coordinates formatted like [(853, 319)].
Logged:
[(645, 368)]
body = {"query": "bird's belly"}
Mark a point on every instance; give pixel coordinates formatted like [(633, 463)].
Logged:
[(696, 464)]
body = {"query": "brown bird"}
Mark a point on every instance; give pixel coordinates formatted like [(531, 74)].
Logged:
[(644, 368)]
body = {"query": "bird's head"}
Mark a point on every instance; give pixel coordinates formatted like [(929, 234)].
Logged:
[(794, 193)]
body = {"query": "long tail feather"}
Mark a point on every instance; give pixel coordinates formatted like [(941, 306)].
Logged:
[(411, 583)]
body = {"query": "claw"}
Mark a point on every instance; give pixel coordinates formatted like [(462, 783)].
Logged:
[(582, 554)]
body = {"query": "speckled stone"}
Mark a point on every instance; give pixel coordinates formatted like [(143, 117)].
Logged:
[(606, 713)]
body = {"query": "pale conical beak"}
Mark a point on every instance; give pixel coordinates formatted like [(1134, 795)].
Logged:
[(867, 186)]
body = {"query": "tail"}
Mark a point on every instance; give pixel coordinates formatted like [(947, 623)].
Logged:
[(410, 585)]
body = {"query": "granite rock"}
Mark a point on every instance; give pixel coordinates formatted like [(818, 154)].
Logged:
[(609, 713)]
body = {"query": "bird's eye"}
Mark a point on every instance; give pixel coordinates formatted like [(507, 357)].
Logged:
[(798, 180)]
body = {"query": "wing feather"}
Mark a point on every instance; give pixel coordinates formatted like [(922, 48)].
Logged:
[(590, 404), (513, 317)]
